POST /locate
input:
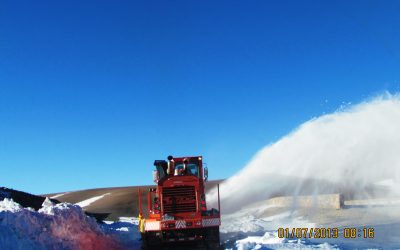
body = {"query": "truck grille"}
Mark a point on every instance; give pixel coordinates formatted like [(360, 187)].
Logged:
[(179, 199)]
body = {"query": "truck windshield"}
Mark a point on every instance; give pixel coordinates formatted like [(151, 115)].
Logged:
[(191, 167)]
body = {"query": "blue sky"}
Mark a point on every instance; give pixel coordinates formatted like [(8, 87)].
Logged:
[(92, 92)]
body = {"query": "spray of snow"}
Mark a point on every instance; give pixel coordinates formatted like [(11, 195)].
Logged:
[(87, 202), (348, 151)]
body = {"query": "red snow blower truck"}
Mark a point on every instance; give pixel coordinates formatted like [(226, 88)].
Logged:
[(177, 211)]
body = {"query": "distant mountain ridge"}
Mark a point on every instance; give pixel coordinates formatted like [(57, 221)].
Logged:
[(24, 199), (119, 201)]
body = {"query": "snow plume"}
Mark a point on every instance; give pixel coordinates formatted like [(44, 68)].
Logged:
[(61, 226), (350, 151)]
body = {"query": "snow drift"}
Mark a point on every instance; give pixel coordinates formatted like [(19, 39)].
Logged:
[(60, 226), (350, 151)]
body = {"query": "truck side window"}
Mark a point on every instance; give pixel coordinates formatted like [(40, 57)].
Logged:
[(191, 169)]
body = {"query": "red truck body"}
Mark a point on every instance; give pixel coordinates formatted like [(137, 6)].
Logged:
[(177, 208)]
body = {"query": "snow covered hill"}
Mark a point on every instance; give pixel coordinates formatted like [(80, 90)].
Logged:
[(116, 201)]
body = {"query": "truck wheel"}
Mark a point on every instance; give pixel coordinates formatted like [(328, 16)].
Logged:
[(150, 241), (212, 238)]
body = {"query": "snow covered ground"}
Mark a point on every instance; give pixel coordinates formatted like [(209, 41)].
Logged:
[(270, 240), (249, 229), (65, 226), (256, 227)]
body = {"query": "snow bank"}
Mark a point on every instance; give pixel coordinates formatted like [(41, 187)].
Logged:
[(7, 205), (60, 226)]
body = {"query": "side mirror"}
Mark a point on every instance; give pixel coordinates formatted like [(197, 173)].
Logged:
[(155, 176), (205, 174)]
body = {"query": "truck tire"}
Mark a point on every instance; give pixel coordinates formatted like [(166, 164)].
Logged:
[(150, 241), (212, 238)]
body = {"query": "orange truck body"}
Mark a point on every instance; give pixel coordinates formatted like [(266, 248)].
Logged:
[(177, 209)]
